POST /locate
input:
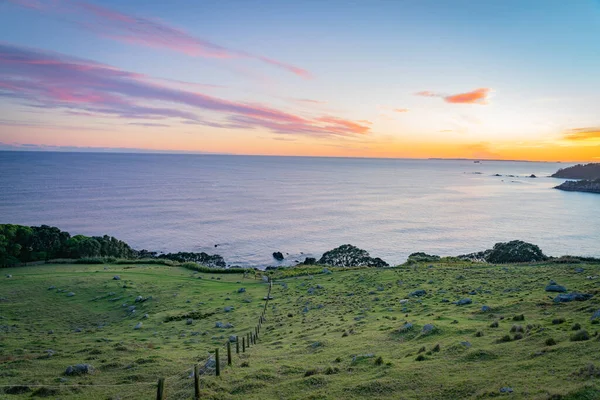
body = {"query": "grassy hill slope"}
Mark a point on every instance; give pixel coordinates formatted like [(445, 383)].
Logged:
[(327, 336)]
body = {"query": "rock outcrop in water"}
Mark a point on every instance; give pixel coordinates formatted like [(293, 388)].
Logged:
[(580, 171), (580, 186), (350, 256), (278, 256), (515, 251)]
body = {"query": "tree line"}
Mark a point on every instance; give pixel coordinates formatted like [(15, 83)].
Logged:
[(22, 244)]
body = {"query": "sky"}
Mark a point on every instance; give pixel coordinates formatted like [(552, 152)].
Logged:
[(497, 79)]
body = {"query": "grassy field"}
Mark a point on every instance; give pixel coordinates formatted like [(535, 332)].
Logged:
[(328, 336)]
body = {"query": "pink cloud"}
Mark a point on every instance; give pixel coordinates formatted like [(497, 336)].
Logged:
[(401, 110), (477, 96), (137, 30), (53, 81)]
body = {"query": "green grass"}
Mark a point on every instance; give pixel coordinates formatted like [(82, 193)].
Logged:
[(347, 345)]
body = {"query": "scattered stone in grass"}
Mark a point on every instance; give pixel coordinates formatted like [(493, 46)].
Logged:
[(228, 325), (428, 328), (51, 332), (79, 369), (553, 287), (520, 317), (494, 324), (116, 278), (479, 334), (463, 302), (566, 298), (189, 321), (311, 372), (418, 293), (228, 309), (245, 364), (576, 327), (70, 294), (405, 328), (550, 342), (218, 324), (558, 321), (138, 326), (579, 270), (518, 336), (420, 357), (588, 372), (146, 316), (596, 315), (506, 390), (486, 309), (232, 339), (52, 287), (580, 336), (242, 290), (9, 276)]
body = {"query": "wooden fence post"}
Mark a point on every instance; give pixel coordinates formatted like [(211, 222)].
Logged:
[(160, 390), (218, 364), (237, 345), (196, 383), (243, 344), (228, 353)]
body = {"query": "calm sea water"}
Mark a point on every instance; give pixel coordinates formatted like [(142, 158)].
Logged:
[(253, 206)]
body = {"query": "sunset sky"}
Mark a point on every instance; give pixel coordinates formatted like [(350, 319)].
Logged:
[(498, 79)]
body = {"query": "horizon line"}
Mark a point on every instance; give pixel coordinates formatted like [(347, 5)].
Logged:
[(116, 150)]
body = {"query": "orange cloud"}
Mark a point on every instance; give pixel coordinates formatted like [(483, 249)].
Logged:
[(583, 134), (477, 96), (401, 110)]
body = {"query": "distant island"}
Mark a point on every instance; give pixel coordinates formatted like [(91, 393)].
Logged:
[(580, 171), (589, 175)]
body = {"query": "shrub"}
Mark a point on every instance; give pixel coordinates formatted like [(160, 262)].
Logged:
[(310, 372), (436, 348), (518, 336), (580, 335), (494, 324), (517, 328), (576, 327), (420, 357), (379, 361), (479, 334), (550, 342), (519, 317), (558, 321), (504, 339)]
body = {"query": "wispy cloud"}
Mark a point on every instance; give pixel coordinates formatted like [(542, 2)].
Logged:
[(54, 81), (142, 31), (579, 134), (477, 96), (311, 101), (401, 110)]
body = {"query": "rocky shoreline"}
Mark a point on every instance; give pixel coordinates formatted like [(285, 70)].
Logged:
[(580, 186)]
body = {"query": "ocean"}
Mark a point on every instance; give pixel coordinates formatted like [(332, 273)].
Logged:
[(250, 206)]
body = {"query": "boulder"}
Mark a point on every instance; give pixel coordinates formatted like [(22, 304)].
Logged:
[(350, 256), (138, 326), (418, 293), (326, 271), (218, 324), (232, 339), (79, 369), (463, 302), (9, 276), (309, 261), (427, 329), (228, 309), (228, 325), (116, 278), (189, 321), (566, 298), (405, 328), (556, 288), (70, 294), (278, 256), (486, 309), (241, 290)]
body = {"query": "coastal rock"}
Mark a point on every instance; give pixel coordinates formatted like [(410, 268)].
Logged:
[(278, 256), (515, 251), (350, 256), (566, 298), (580, 186), (208, 260), (556, 288)]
